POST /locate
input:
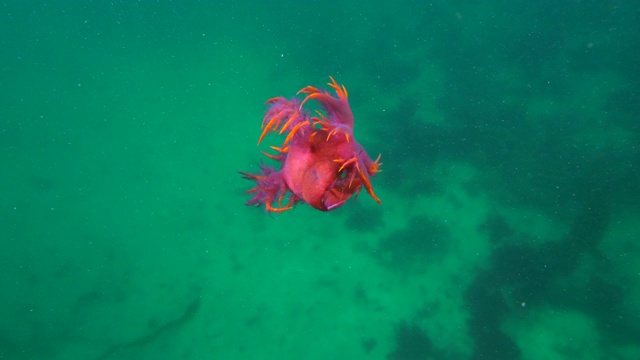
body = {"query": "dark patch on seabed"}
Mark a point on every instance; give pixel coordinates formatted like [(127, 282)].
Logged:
[(126, 350), (408, 251), (529, 274), (412, 343)]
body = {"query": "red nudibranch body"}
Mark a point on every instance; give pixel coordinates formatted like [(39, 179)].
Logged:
[(322, 164)]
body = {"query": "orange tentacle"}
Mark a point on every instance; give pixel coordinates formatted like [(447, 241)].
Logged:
[(367, 185), (341, 91), (273, 99), (266, 129), (350, 161), (294, 130), (309, 97), (375, 167), (277, 209), (270, 156), (291, 118)]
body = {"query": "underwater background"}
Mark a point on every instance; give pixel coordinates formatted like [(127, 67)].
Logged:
[(510, 218)]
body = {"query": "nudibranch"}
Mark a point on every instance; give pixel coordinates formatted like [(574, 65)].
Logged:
[(321, 163)]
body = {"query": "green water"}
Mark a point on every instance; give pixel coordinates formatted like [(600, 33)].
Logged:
[(509, 134)]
